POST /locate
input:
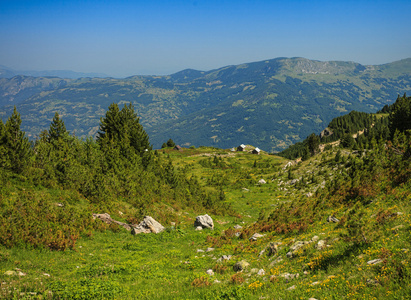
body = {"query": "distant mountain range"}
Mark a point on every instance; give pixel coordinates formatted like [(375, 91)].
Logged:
[(6, 72), (270, 104)]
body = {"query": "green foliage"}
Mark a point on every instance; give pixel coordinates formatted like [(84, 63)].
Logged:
[(92, 288), (123, 128), (400, 115), (15, 148), (313, 144), (57, 129), (170, 144)]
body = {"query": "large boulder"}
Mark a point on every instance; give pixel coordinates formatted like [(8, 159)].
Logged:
[(148, 225), (204, 221)]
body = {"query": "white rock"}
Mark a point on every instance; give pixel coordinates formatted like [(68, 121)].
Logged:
[(374, 261), (210, 272), (256, 236), (204, 221)]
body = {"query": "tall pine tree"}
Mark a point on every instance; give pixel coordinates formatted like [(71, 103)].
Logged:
[(57, 129), (400, 115), (124, 129), (15, 144)]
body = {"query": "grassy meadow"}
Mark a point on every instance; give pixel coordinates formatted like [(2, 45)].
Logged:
[(300, 254)]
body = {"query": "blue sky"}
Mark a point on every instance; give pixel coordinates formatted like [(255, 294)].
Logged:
[(122, 38)]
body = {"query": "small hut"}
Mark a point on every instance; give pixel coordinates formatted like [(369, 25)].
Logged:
[(256, 151), (177, 147), (241, 147)]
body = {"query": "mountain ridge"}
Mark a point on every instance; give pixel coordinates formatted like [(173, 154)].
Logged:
[(271, 103)]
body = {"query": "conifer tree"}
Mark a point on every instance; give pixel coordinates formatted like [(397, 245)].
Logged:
[(313, 143), (400, 115), (124, 128), (57, 129), (16, 145), (3, 150)]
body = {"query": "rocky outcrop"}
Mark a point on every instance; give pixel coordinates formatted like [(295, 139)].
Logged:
[(204, 221), (148, 225), (326, 132), (107, 219)]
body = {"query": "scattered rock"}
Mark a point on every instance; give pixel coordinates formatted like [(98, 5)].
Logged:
[(278, 260), (10, 273), (289, 254), (253, 270), (288, 276), (298, 245), (210, 272), (397, 227), (148, 225), (309, 194), (293, 287), (46, 274), (238, 227), (272, 249), (261, 272), (240, 266), (374, 261), (321, 244), (210, 249), (332, 219), (15, 273), (246, 190), (256, 236), (315, 283), (199, 228), (200, 250), (59, 204), (292, 182), (204, 221), (107, 219), (262, 181), (315, 238), (217, 281), (372, 282), (289, 164), (224, 257)]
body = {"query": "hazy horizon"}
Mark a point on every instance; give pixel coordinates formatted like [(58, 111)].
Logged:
[(124, 38)]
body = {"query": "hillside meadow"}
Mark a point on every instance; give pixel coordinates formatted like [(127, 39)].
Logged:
[(109, 263), (335, 225)]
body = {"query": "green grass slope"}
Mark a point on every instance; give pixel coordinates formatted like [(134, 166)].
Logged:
[(365, 254)]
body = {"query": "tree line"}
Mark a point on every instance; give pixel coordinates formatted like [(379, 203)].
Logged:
[(118, 164), (368, 129)]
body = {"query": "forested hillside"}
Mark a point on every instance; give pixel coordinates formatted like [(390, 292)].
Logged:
[(335, 225), (271, 104)]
